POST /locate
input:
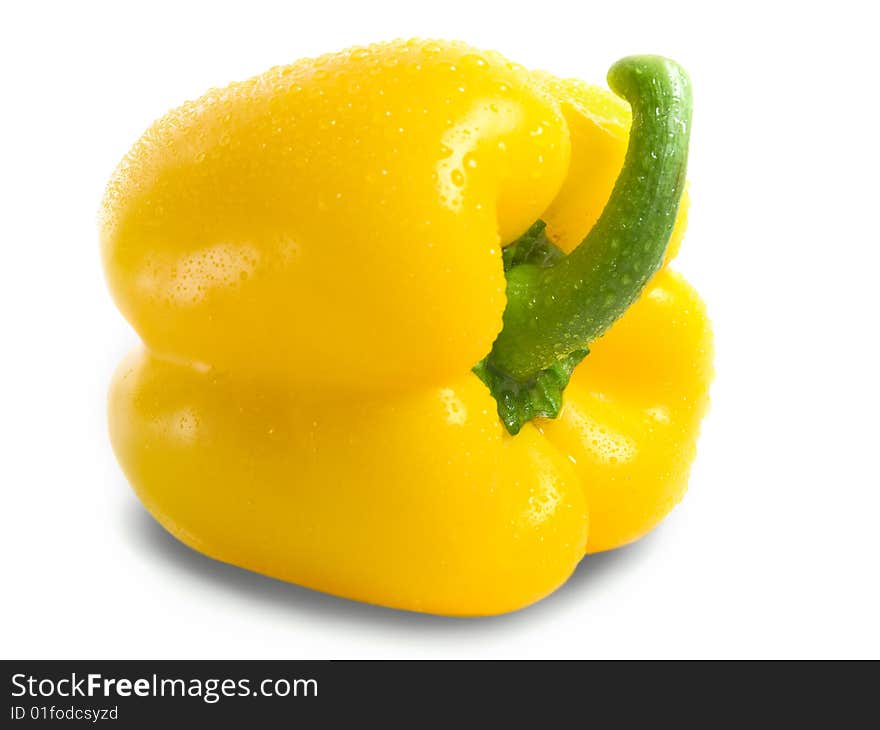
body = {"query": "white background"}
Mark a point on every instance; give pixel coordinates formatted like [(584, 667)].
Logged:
[(774, 552)]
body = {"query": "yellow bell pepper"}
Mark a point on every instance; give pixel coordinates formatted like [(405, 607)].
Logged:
[(319, 260)]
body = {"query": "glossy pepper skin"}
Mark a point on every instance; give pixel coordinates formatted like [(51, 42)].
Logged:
[(313, 259)]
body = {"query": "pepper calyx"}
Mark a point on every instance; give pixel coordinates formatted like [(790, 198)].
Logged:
[(539, 396)]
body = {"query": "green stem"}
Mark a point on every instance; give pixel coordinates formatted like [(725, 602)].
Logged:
[(557, 305)]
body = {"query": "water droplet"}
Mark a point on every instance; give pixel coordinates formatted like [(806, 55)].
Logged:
[(474, 60)]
